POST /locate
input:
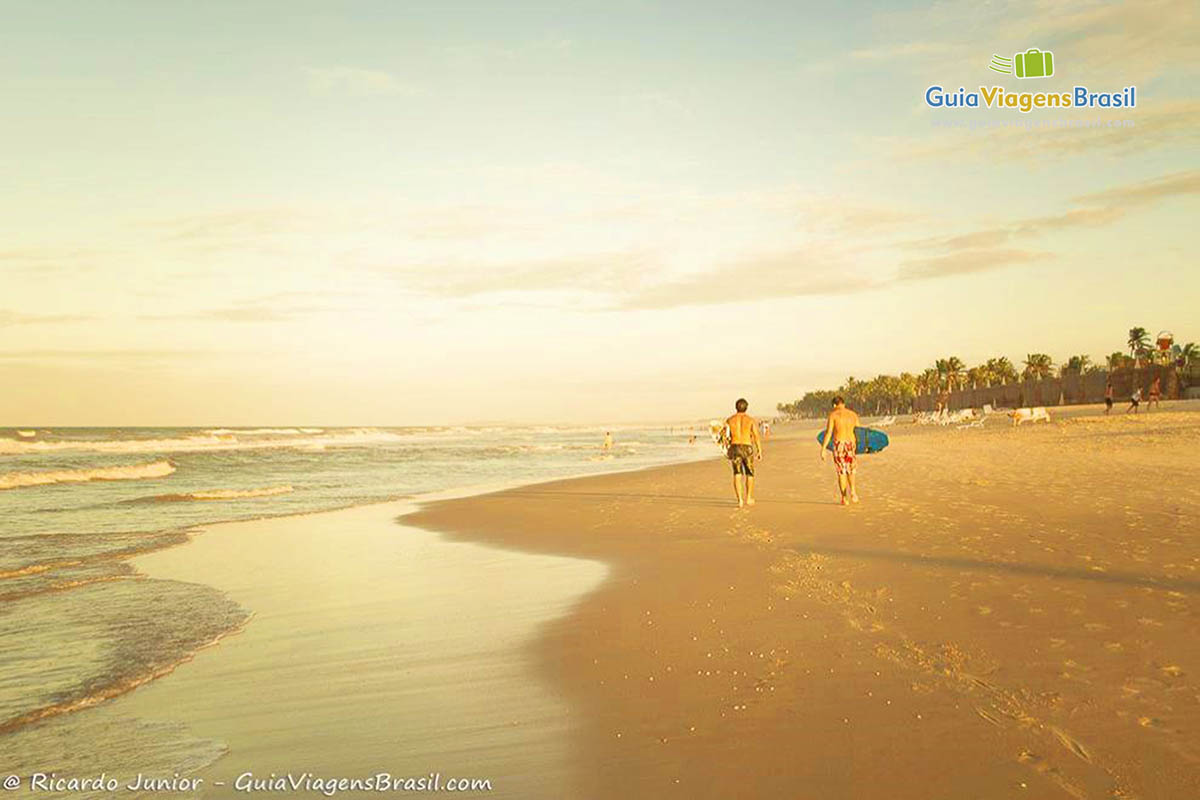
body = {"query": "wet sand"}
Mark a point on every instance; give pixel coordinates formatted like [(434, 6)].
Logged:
[(372, 648), (1010, 612)]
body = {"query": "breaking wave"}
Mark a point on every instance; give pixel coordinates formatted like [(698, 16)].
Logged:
[(132, 472), (216, 439), (262, 431), (218, 494)]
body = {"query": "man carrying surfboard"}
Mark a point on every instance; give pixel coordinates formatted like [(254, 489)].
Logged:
[(840, 427), (745, 447)]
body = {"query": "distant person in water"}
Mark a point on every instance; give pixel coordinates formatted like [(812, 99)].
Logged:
[(1135, 401), (840, 429), (608, 442), (1155, 399), (1108, 398), (745, 447)]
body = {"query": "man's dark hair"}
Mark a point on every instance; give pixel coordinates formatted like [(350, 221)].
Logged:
[(741, 405), (839, 400)]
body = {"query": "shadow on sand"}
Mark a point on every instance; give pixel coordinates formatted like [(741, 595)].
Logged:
[(1003, 568), (678, 499)]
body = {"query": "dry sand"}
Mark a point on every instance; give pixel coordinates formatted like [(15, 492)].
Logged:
[(1011, 612)]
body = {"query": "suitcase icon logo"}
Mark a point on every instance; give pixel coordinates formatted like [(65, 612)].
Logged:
[(1033, 63)]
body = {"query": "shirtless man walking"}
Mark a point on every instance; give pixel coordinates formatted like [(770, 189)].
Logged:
[(744, 448), (840, 428)]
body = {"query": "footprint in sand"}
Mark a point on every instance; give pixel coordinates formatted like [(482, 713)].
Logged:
[(1072, 744)]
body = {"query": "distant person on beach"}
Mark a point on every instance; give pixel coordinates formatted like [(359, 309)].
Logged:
[(608, 440), (1155, 399), (1108, 398), (1134, 401), (840, 428), (745, 447)]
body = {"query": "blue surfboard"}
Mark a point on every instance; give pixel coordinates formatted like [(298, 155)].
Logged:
[(867, 440)]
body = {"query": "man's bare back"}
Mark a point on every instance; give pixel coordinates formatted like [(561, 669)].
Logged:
[(843, 421), (743, 429)]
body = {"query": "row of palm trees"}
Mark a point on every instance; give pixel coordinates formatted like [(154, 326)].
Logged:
[(891, 394)]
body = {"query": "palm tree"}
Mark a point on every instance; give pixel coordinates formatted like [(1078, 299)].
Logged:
[(929, 380), (1189, 352), (1139, 341), (1038, 365), (1003, 370), (1078, 363), (954, 372), (943, 371)]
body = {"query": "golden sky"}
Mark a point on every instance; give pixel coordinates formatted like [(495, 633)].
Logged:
[(411, 213)]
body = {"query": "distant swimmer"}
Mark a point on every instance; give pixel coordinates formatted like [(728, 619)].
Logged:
[(745, 447), (1155, 399), (608, 440), (840, 428), (1108, 398)]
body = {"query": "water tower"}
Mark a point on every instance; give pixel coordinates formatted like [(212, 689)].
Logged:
[(1164, 341)]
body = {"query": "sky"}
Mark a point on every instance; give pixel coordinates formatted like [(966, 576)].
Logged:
[(403, 213)]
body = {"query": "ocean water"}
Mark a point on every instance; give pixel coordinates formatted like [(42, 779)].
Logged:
[(79, 626)]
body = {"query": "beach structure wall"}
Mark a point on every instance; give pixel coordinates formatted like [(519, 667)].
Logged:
[(1071, 388)]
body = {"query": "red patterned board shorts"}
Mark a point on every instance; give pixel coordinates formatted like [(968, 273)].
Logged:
[(843, 457)]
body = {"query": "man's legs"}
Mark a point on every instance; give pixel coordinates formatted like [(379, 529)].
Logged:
[(749, 490), (853, 491), (737, 490), (843, 484)]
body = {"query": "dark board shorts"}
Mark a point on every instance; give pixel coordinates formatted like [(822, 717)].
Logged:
[(741, 456)]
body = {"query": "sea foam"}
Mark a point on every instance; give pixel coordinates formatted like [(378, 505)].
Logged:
[(131, 472)]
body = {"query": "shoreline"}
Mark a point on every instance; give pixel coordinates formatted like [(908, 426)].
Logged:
[(361, 648), (166, 539)]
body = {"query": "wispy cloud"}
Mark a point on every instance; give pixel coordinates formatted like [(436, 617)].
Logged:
[(11, 318), (113, 355), (47, 259), (1104, 208), (1160, 188), (603, 272), (1123, 131), (239, 224), (246, 312), (906, 50), (769, 276), (966, 262), (355, 81)]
